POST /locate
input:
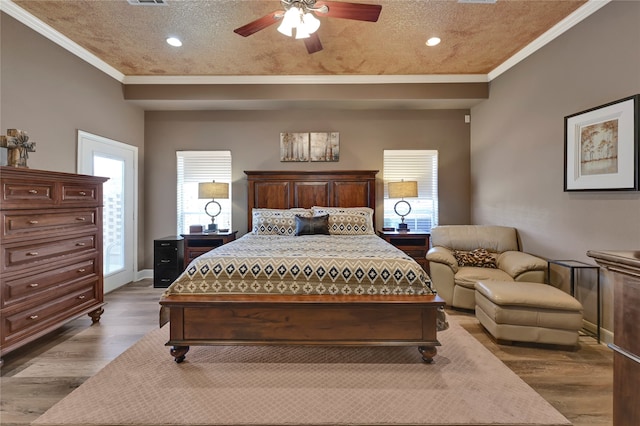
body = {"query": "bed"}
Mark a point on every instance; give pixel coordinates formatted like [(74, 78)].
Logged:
[(270, 287)]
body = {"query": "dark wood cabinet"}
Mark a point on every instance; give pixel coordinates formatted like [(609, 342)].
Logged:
[(51, 268), (197, 244), (625, 266), (415, 244), (168, 260)]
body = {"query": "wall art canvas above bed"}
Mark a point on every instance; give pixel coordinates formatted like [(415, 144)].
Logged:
[(309, 146)]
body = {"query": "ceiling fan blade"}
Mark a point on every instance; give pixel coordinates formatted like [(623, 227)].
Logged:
[(357, 11), (313, 43), (259, 24)]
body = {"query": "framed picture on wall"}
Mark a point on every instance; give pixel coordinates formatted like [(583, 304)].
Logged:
[(601, 147), (294, 146), (324, 146)]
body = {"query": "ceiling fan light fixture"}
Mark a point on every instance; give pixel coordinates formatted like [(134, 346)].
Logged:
[(303, 22), (290, 21), (310, 22)]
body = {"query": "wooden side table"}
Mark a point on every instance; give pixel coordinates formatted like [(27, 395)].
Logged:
[(415, 244), (197, 244)]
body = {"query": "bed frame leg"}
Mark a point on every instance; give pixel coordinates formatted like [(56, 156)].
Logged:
[(178, 353), (427, 352)]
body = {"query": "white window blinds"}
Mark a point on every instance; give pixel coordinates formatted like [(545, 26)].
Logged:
[(412, 165), (195, 167)]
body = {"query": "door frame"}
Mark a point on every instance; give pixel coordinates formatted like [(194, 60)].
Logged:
[(82, 153)]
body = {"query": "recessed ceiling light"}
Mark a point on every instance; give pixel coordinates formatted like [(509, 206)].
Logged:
[(174, 41), (433, 41)]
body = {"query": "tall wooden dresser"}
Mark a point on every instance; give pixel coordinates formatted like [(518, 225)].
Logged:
[(51, 267), (625, 266)]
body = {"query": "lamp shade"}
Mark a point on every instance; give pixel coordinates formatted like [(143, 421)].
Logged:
[(403, 189), (213, 190)]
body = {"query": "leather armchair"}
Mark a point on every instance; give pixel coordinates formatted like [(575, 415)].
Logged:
[(455, 282)]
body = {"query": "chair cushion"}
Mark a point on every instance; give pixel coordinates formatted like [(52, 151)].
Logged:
[(468, 276)]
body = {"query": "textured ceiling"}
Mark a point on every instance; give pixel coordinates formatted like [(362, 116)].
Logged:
[(476, 38)]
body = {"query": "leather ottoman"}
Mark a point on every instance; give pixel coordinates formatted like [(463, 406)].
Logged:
[(528, 312)]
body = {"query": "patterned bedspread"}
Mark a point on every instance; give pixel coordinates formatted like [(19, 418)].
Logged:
[(310, 264)]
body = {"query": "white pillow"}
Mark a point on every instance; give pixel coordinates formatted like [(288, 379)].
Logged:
[(277, 221), (348, 220)]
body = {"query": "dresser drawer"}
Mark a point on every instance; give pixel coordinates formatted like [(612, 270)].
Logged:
[(18, 223), (25, 289), (27, 253), (18, 192), (74, 193), (35, 319), (166, 257)]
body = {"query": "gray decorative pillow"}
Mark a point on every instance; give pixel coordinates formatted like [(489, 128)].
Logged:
[(312, 225)]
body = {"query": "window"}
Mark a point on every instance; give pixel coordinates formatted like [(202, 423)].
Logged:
[(195, 167), (413, 165)]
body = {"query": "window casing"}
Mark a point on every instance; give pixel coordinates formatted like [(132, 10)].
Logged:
[(409, 165), (194, 167)]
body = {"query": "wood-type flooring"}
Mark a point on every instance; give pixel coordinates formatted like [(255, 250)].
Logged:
[(33, 378)]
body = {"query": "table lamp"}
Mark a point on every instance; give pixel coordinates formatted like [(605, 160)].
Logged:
[(213, 190), (402, 208)]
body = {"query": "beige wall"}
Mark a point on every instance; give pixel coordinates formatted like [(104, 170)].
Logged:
[(51, 94), (253, 138), (517, 144)]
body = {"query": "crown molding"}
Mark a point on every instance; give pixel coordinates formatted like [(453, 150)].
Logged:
[(561, 27), (16, 12), (307, 79)]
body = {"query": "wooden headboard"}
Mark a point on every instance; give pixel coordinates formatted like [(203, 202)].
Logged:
[(305, 189)]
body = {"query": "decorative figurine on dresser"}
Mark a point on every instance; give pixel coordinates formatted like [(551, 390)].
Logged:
[(51, 267)]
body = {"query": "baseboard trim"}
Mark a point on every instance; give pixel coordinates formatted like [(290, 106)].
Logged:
[(144, 274)]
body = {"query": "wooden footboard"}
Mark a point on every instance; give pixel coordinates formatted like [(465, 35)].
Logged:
[(302, 320)]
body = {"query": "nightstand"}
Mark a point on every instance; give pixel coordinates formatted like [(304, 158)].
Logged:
[(167, 260), (415, 244), (197, 244)]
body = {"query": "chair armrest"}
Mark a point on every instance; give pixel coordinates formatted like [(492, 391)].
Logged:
[(443, 255), (515, 263)]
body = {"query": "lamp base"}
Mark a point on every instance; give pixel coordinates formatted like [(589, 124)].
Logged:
[(213, 227), (403, 227)]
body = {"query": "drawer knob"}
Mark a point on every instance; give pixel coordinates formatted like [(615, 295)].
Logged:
[(32, 253), (81, 270), (165, 261), (82, 193), (164, 244), (81, 244), (33, 285), (33, 317), (81, 218), (82, 296), (33, 191), (33, 222)]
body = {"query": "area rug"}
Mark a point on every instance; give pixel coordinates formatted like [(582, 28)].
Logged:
[(262, 385)]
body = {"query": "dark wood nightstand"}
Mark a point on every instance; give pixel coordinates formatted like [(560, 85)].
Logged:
[(197, 244), (415, 244)]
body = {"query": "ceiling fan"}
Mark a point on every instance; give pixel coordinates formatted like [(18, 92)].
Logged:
[(299, 15)]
